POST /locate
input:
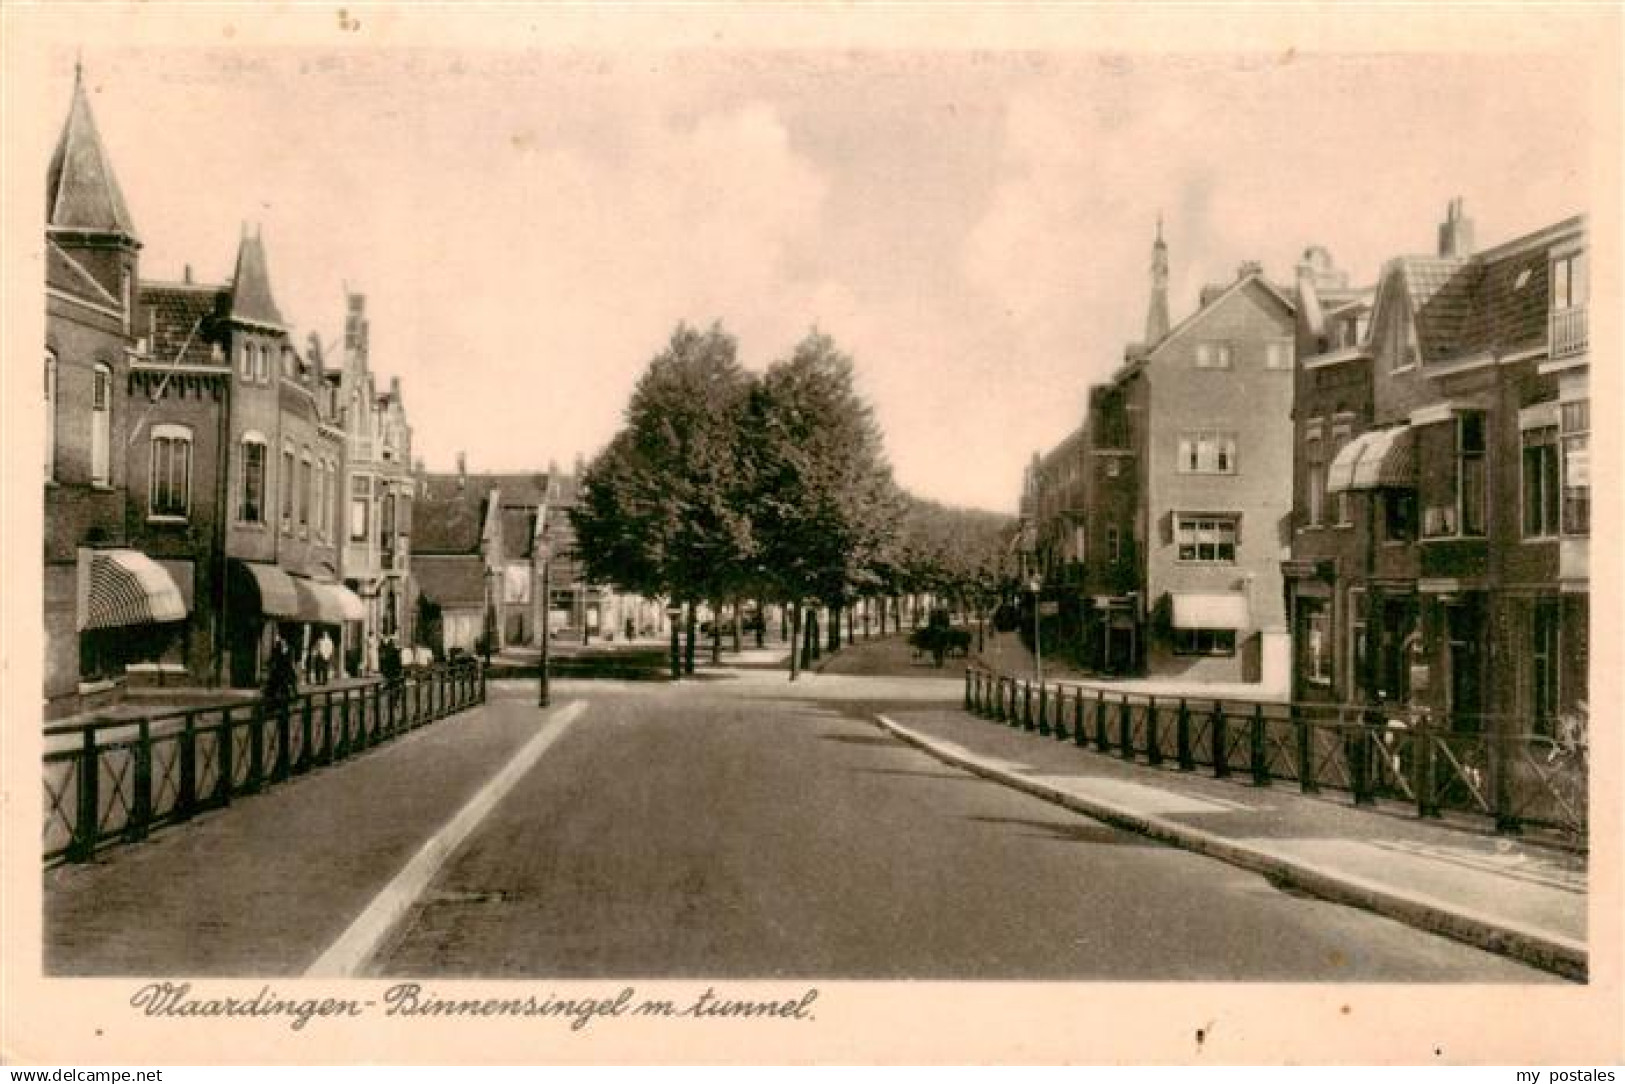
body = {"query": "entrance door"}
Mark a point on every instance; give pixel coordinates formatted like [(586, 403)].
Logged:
[(1464, 621)]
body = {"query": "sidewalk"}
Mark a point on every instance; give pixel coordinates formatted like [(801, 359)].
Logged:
[(1501, 894)]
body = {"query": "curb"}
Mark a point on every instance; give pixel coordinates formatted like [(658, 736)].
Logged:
[(1549, 952)]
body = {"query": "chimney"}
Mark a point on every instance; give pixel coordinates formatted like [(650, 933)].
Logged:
[(186, 274), (462, 470), (1248, 267), (1455, 233)]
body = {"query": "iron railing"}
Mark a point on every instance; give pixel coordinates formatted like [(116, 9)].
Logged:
[(1568, 333), (1499, 770), (114, 782)]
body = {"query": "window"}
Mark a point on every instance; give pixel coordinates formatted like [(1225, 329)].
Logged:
[(1207, 452), (1080, 544), (1358, 620), (386, 520), (306, 492), (1576, 423), (101, 427), (50, 416), (170, 491), (1114, 466), (262, 363), (1456, 506), (1545, 660), (286, 481), (1315, 456), (1315, 626), (245, 362), (1402, 344), (1278, 354), (251, 500), (1399, 515), (360, 508), (1204, 641), (1568, 282), (1207, 539), (1341, 433), (1540, 482), (126, 295), (1213, 355), (1114, 545)]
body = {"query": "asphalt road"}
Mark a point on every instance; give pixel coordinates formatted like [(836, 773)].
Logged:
[(745, 827)]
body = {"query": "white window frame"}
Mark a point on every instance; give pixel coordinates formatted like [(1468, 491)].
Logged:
[(1218, 354), (1342, 433), (285, 470), (1278, 355), (172, 434), (258, 440), (101, 425), (307, 491), (1213, 523), (1547, 440), (1220, 442)]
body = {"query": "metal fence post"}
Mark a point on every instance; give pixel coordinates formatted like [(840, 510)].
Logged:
[(186, 787), (1182, 737), (256, 747), (306, 732), (1102, 740), (140, 817), (1503, 801), (1080, 728), (1260, 748), (968, 698), (1220, 737), (327, 728), (225, 748), (283, 739), (1153, 745), (1423, 780), (1125, 729), (88, 823), (1027, 705), (1059, 725), (1043, 712), (1306, 752), (1358, 750)]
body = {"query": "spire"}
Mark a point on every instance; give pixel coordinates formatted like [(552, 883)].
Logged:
[(81, 193), (251, 298), (1156, 318)]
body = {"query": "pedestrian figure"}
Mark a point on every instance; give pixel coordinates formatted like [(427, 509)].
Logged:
[(324, 658), (282, 676)]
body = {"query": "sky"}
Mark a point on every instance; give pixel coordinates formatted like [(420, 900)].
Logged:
[(974, 228)]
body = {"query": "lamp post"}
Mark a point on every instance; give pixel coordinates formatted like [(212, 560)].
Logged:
[(1036, 585), (544, 692)]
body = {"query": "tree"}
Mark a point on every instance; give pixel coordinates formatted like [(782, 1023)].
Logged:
[(664, 508), (825, 506)]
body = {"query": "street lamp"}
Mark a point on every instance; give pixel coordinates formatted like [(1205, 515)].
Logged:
[(1035, 585), (544, 693)]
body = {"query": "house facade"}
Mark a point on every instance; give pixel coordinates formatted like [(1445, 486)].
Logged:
[(1462, 588), (379, 493), (1160, 525), (105, 602)]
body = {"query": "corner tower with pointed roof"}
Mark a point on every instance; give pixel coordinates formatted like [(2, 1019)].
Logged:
[(86, 219)]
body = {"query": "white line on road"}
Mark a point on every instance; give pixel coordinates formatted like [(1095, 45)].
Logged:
[(350, 953)]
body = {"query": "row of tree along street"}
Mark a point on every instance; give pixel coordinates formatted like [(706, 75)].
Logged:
[(727, 487)]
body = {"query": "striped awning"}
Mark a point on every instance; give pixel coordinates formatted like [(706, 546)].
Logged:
[(1380, 459), (277, 595), (129, 588), (1227, 610), (327, 603)]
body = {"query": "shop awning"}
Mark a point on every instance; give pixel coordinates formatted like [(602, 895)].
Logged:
[(327, 603), (1227, 610), (277, 595), (1380, 459), (129, 588)]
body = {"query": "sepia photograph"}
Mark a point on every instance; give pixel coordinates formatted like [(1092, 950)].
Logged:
[(595, 535)]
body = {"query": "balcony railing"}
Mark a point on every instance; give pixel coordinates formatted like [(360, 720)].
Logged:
[(1568, 332)]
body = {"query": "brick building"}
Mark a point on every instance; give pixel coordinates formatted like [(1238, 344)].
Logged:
[(378, 494), (104, 602), (1463, 585), (1172, 564)]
